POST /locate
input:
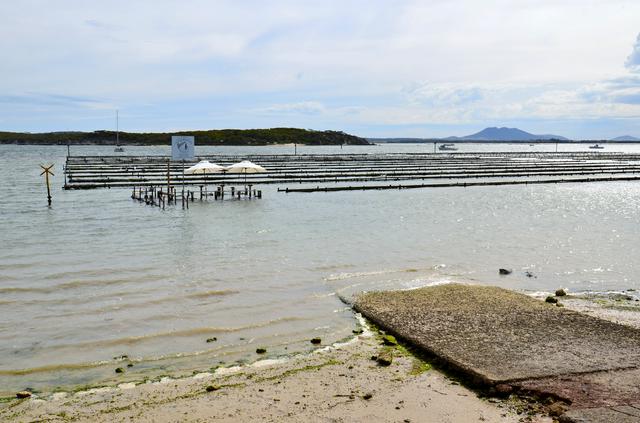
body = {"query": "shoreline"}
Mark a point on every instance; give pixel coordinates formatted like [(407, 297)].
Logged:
[(340, 378)]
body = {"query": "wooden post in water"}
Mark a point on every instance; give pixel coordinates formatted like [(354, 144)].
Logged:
[(46, 171), (182, 168), (169, 178)]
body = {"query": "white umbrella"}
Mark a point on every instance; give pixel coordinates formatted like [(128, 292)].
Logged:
[(245, 167), (204, 167)]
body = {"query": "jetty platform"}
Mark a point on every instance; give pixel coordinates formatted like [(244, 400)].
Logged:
[(338, 172), (508, 342)]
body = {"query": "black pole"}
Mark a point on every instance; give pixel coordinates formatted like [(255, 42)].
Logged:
[(48, 189), (183, 183)]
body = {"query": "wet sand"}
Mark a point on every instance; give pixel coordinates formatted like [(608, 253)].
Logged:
[(338, 383)]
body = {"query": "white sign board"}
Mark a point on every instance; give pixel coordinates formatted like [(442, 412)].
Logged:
[(182, 147)]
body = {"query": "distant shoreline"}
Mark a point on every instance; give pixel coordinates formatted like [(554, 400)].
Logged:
[(444, 141), (165, 144), (236, 137), (289, 143)]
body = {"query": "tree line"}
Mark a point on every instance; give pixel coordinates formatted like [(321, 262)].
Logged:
[(208, 137)]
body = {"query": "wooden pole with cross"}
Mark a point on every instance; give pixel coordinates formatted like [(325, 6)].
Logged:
[(46, 171)]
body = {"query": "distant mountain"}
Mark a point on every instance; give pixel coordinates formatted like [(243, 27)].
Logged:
[(506, 134), (625, 138)]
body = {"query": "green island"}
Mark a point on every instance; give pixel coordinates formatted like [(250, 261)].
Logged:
[(206, 137)]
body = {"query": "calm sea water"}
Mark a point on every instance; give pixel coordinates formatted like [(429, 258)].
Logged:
[(99, 276)]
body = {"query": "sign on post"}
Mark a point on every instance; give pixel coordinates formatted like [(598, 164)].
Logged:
[(182, 147)]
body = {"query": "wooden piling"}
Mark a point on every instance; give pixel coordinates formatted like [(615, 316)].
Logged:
[(168, 176), (46, 171)]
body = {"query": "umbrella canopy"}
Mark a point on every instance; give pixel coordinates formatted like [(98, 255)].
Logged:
[(204, 167), (245, 166)]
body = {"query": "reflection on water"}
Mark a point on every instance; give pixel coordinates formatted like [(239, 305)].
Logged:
[(98, 276)]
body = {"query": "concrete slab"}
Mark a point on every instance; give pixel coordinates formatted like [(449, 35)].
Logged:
[(589, 390), (601, 415), (628, 409), (500, 336)]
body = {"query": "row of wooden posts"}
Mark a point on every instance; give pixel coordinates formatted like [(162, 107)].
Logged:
[(162, 196)]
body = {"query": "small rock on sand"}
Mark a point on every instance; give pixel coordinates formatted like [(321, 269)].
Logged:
[(551, 300), (316, 341), (504, 271), (23, 394), (557, 409), (385, 358), (504, 389), (261, 350), (561, 292)]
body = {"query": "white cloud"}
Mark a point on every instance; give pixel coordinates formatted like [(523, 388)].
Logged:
[(633, 61), (304, 107), (433, 94), (358, 60)]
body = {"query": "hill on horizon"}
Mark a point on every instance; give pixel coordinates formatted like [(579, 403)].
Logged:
[(625, 138), (506, 134), (206, 137)]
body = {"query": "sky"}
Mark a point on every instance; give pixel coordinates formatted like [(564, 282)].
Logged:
[(376, 68)]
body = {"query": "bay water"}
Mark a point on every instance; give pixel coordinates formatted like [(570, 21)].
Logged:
[(98, 281)]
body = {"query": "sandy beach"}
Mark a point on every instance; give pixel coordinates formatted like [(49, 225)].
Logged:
[(336, 383), (341, 382)]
